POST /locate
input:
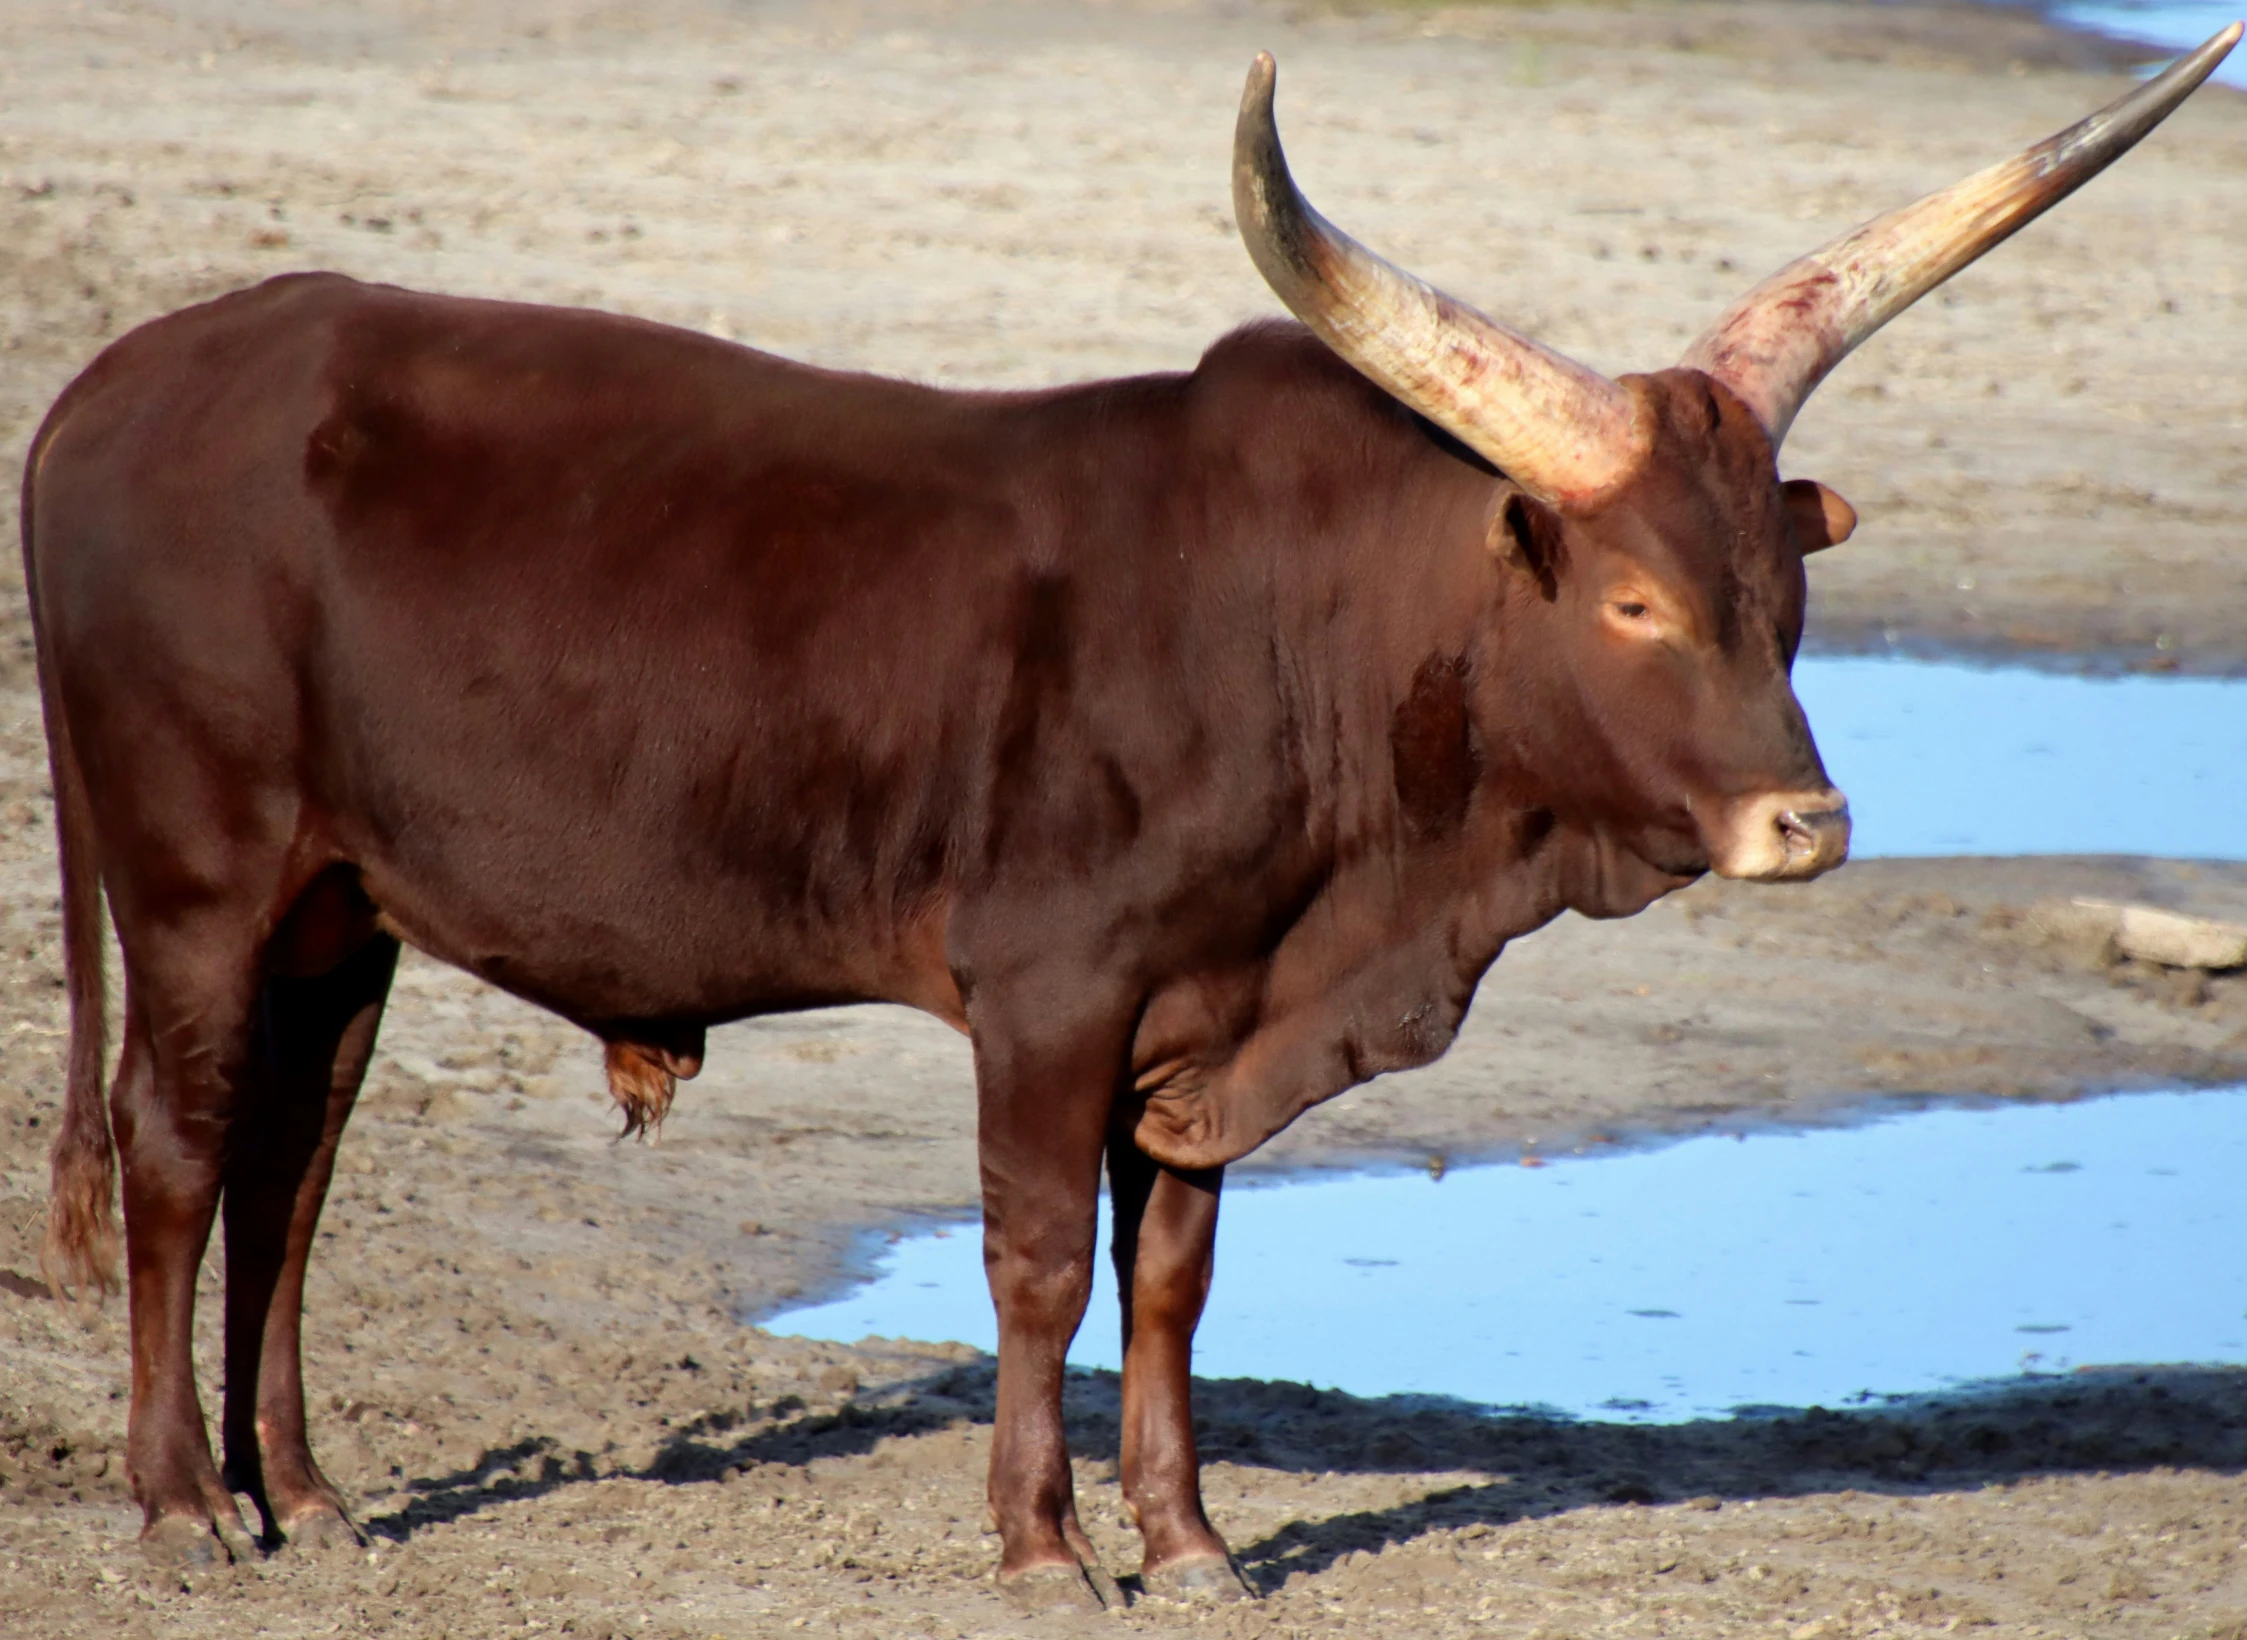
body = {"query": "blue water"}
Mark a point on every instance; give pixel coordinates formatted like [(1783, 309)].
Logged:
[(2178, 24), (1788, 1269), (1783, 1268), (1963, 760)]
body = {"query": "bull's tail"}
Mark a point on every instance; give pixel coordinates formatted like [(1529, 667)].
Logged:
[(81, 1247)]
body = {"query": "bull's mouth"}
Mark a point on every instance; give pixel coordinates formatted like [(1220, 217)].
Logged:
[(1781, 837)]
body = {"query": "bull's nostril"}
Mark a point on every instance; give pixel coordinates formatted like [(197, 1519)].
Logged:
[(1783, 836), (1812, 833)]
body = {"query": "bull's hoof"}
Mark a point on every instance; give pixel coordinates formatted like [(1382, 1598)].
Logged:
[(1211, 1581), (1109, 1591), (192, 1543), (1054, 1588), (241, 1548), (320, 1529), (180, 1543)]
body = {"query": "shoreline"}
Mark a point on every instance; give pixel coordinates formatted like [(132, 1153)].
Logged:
[(1886, 642)]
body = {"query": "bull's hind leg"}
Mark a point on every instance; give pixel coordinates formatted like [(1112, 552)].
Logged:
[(1165, 1241), (190, 985), (309, 1051)]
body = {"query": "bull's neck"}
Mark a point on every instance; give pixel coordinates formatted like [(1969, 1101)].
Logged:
[(1406, 657)]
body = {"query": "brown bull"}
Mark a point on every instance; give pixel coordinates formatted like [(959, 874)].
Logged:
[(1192, 742)]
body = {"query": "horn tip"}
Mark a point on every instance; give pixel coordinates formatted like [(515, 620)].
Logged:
[(1263, 73), (2218, 45)]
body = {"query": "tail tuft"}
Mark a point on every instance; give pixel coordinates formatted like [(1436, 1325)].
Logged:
[(79, 1256)]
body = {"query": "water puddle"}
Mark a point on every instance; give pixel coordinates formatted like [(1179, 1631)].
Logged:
[(1821, 1267), (1941, 759)]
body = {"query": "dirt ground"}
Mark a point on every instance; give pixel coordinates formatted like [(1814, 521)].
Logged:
[(526, 1342)]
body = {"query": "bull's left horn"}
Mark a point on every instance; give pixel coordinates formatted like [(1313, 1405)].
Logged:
[(1563, 432), (1787, 333)]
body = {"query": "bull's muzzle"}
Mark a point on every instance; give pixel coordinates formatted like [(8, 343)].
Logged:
[(1781, 837)]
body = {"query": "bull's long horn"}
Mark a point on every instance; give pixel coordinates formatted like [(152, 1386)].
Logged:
[(1787, 333), (1564, 433)]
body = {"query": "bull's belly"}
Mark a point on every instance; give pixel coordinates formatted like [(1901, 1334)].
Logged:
[(602, 938)]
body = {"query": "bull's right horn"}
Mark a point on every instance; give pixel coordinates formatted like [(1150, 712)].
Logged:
[(1784, 336), (1563, 432)]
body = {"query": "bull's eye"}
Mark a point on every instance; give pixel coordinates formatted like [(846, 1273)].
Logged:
[(1630, 615)]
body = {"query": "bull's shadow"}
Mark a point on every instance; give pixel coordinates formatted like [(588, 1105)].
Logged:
[(2112, 1420)]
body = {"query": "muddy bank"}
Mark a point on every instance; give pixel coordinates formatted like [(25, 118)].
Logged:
[(770, 1496), (527, 1364)]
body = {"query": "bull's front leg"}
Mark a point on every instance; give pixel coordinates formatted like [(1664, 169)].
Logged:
[(1044, 1092), (1165, 1246)]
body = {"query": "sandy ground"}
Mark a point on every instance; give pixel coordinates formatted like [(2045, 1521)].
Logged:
[(525, 1340)]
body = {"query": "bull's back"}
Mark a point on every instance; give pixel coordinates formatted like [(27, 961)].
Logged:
[(636, 671)]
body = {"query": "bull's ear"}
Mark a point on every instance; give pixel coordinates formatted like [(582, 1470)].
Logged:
[(1820, 518), (1526, 533)]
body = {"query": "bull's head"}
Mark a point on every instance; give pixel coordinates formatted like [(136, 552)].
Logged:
[(1647, 512)]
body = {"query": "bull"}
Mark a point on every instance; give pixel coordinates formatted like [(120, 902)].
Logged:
[(1192, 742)]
